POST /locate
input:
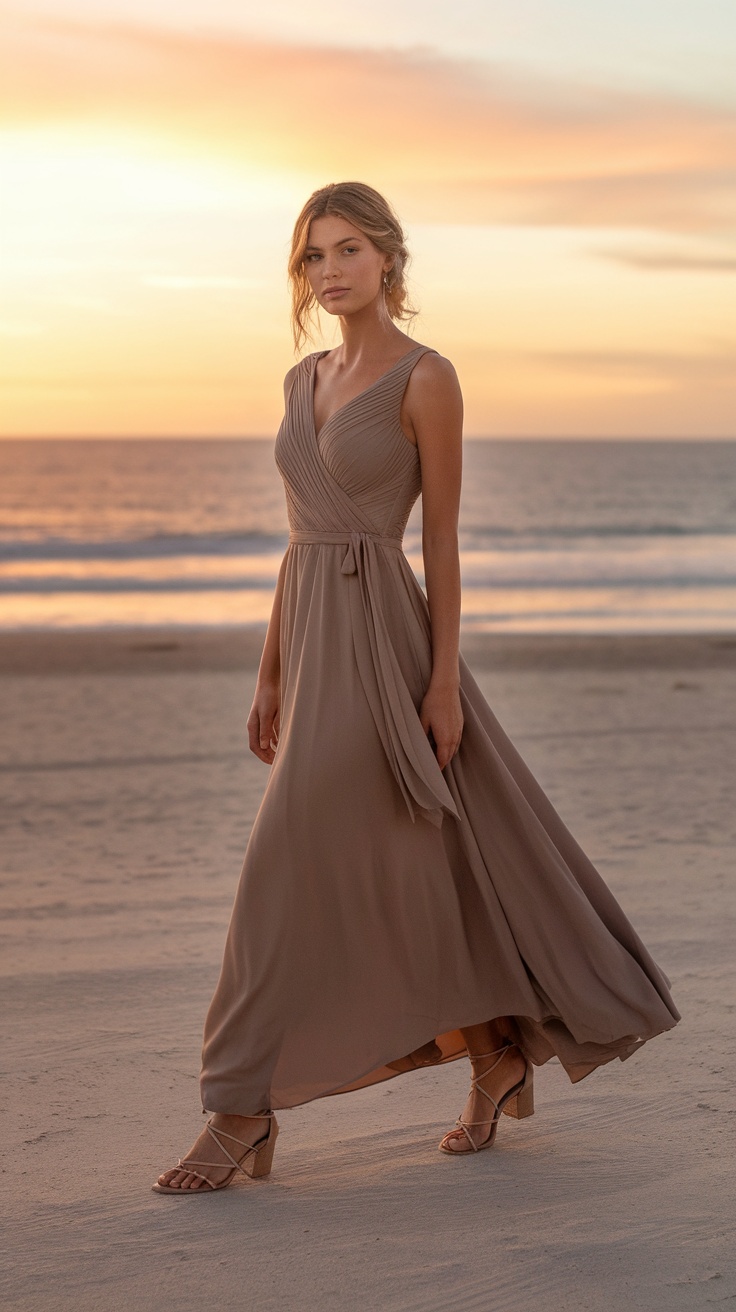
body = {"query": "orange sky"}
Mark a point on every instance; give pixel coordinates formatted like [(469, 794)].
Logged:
[(573, 237)]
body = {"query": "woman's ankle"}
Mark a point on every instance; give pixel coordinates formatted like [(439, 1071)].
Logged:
[(229, 1120)]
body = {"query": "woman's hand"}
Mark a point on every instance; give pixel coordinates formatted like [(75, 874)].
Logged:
[(441, 713), (263, 721)]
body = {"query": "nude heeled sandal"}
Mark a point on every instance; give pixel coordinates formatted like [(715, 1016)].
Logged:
[(255, 1162), (518, 1102)]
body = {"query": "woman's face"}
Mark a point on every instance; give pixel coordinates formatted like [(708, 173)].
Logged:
[(345, 270)]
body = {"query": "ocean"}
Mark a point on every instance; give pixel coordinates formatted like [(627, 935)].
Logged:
[(555, 536)]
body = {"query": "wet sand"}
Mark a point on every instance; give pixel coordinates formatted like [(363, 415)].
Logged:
[(127, 797)]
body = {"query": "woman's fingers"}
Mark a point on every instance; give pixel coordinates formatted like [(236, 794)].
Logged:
[(441, 718), (446, 747), (261, 731)]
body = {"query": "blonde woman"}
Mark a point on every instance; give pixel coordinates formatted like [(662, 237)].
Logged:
[(408, 895)]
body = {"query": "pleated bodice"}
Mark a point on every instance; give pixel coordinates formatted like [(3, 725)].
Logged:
[(360, 473)]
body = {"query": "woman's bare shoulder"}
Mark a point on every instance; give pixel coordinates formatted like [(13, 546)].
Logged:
[(435, 372)]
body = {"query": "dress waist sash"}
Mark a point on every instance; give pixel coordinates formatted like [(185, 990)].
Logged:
[(351, 540)]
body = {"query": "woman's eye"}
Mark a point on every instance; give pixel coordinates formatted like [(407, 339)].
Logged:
[(351, 250)]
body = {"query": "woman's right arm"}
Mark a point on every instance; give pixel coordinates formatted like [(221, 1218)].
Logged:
[(263, 721)]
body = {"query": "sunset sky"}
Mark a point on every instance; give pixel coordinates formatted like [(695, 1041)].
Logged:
[(565, 169)]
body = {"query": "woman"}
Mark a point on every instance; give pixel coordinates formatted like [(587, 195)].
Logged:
[(409, 895)]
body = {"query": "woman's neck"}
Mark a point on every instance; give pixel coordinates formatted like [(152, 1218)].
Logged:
[(368, 336)]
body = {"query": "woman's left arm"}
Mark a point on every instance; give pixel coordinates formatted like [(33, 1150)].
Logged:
[(435, 407)]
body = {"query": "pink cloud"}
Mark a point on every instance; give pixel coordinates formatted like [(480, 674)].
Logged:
[(456, 141)]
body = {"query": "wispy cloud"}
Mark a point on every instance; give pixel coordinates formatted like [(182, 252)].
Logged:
[(672, 262), (674, 369), (458, 141), (184, 282)]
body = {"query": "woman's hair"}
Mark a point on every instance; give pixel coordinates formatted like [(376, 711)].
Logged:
[(369, 211)]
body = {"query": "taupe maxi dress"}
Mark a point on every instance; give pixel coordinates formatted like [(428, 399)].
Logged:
[(384, 902)]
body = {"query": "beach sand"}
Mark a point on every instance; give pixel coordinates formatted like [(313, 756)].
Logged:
[(128, 794)]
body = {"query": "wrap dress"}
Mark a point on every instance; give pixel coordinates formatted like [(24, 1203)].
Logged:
[(384, 903)]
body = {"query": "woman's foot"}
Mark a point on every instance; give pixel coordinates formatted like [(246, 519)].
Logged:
[(478, 1112), (248, 1128)]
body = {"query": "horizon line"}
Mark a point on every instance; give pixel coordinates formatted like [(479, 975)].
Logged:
[(266, 437)]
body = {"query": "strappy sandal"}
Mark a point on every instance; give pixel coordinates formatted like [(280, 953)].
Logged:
[(518, 1102), (254, 1163)]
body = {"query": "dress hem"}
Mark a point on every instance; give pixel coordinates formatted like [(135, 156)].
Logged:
[(383, 1071)]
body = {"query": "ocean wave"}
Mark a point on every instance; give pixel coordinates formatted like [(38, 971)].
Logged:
[(155, 547)]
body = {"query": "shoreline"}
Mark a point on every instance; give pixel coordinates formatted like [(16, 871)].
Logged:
[(170, 650)]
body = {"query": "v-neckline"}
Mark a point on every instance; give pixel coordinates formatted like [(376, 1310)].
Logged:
[(353, 399)]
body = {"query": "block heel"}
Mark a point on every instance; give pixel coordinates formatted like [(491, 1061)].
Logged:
[(522, 1103), (261, 1161)]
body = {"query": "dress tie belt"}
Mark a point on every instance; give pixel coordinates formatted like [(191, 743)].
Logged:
[(351, 540), (411, 758)]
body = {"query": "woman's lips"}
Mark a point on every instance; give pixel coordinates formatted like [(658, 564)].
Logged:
[(336, 291)]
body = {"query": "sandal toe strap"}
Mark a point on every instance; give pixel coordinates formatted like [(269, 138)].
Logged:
[(189, 1168), (464, 1130)]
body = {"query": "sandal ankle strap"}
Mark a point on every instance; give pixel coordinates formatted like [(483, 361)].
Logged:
[(250, 1147), (478, 1056), (475, 1080)]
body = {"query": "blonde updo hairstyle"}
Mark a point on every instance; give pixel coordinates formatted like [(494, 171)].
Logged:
[(368, 210)]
